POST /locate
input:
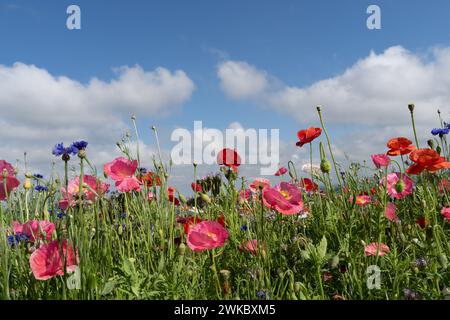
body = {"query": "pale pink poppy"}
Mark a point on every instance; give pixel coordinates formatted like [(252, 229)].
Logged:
[(390, 212), (122, 171), (446, 213), (285, 198), (206, 235), (398, 185), (151, 196), (259, 183), (380, 160), (281, 171), (250, 247), (35, 229), (372, 248), (95, 188), (11, 181), (46, 262)]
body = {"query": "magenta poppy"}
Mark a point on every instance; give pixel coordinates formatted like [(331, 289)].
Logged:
[(380, 160), (446, 213), (281, 171), (390, 212), (46, 262), (122, 171), (206, 235), (11, 181), (284, 198), (35, 229)]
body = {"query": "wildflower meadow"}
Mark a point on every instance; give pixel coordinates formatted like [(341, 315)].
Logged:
[(377, 230)]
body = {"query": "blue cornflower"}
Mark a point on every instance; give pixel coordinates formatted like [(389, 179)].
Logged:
[(123, 215), (40, 188), (11, 240), (59, 150), (440, 131), (38, 176), (261, 294), (79, 145), (60, 215), (244, 227)]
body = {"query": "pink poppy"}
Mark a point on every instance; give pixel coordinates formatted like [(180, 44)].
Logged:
[(380, 160), (446, 213), (244, 195), (259, 183), (46, 262), (281, 171), (73, 188), (250, 247), (35, 229), (11, 181), (206, 235), (362, 200), (372, 248), (151, 196), (398, 185), (284, 198), (122, 171), (390, 212)]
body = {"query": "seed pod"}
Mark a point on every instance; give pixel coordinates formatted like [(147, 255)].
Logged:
[(27, 184)]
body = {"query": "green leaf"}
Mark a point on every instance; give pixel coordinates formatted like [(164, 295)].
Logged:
[(109, 287), (322, 248)]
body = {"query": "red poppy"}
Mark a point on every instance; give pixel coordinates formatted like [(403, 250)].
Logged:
[(422, 222), (229, 158), (196, 187), (150, 179), (308, 185), (171, 194), (308, 135), (399, 146), (426, 159)]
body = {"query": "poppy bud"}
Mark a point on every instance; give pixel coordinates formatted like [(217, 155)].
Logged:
[(325, 166), (28, 175), (411, 107), (205, 197), (182, 198), (182, 249), (27, 184), (318, 108), (431, 143), (438, 149)]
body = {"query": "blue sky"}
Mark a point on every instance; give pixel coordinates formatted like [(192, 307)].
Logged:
[(298, 43)]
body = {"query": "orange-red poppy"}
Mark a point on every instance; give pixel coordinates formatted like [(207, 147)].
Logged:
[(307, 135), (229, 158), (150, 179), (426, 159), (399, 146)]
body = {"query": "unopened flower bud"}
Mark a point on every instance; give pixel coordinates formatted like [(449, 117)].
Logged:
[(325, 166), (182, 249), (411, 107), (28, 175), (205, 197), (438, 149), (431, 143), (82, 154), (400, 186)]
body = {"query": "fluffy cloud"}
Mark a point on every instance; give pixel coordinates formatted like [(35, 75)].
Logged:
[(370, 98), (375, 90), (39, 109)]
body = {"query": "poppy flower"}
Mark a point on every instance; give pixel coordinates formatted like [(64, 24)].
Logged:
[(95, 188), (446, 213), (229, 158), (259, 183), (281, 171), (307, 135), (35, 229), (285, 198), (46, 262), (7, 173), (372, 249), (206, 235), (308, 185), (398, 185), (150, 179), (122, 171), (400, 146), (196, 187), (251, 247), (380, 160), (426, 159), (244, 195), (192, 221), (362, 200), (390, 212), (422, 222), (171, 196)]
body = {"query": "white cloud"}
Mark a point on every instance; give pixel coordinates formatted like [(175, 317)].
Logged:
[(375, 90), (39, 109)]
